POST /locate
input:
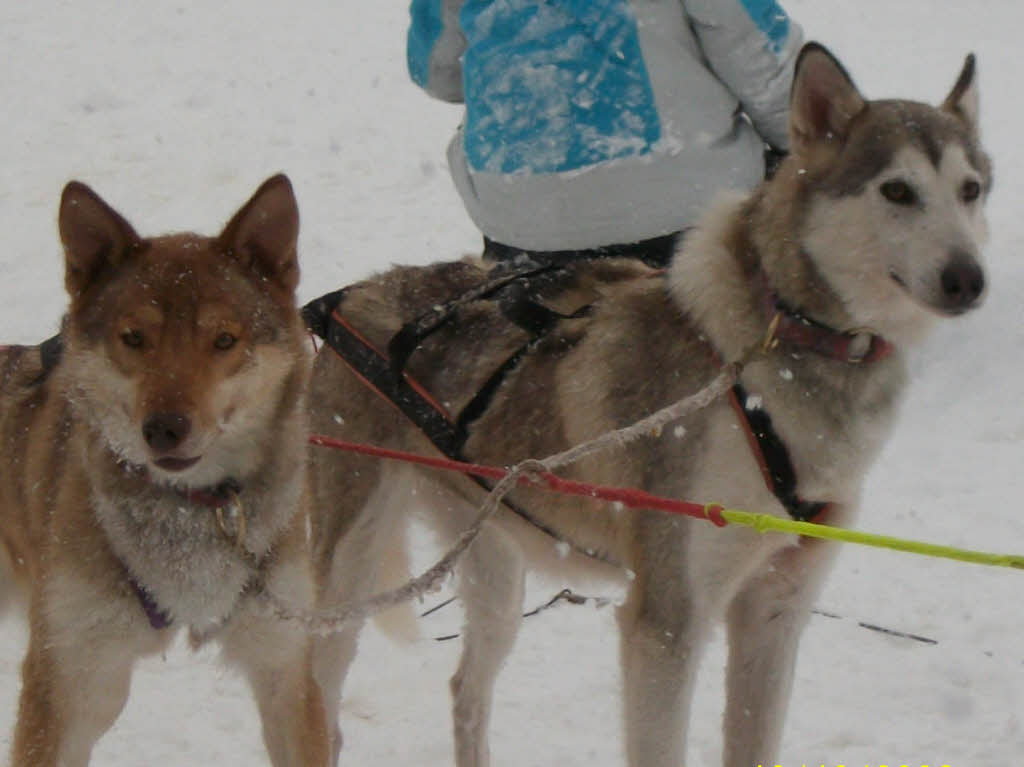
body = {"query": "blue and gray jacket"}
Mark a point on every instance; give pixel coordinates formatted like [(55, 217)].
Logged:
[(598, 122)]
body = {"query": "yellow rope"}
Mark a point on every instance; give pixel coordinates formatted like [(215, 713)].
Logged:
[(765, 522)]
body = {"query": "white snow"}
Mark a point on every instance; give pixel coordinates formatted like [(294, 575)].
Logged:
[(175, 112)]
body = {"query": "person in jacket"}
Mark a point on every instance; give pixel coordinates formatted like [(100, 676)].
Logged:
[(594, 125)]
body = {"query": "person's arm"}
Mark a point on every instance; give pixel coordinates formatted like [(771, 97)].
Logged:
[(435, 48), (751, 46)]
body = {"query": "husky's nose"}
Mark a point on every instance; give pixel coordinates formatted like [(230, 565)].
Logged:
[(165, 431), (963, 282)]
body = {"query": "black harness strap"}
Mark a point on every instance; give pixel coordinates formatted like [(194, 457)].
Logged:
[(50, 352), (773, 458), (532, 317), (412, 334), (377, 370), (317, 313)]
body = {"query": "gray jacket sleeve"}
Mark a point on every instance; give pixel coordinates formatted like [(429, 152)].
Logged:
[(751, 46), (435, 55)]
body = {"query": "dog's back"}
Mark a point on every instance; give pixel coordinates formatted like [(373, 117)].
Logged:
[(25, 397)]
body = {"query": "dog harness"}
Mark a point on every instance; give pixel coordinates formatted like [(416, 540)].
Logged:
[(773, 457), (384, 372), (158, 618), (785, 325), (515, 291)]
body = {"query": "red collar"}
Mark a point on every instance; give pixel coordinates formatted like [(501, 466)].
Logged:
[(223, 499), (858, 346), (216, 497), (220, 496)]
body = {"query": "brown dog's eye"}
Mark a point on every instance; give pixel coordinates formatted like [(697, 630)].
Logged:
[(224, 341), (132, 339), (898, 192), (970, 191)]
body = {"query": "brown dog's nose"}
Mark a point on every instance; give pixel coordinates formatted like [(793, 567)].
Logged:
[(165, 431)]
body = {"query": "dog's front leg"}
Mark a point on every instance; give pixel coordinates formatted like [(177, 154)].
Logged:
[(276, 657), (277, 662), (76, 674), (353, 533), (765, 621), (662, 630)]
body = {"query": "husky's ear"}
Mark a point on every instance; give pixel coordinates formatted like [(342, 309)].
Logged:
[(263, 235), (963, 100), (823, 100), (94, 235)]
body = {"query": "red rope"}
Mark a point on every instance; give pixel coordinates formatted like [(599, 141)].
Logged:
[(629, 497)]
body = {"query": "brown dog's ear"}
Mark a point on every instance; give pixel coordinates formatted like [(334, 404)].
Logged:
[(95, 236), (263, 235), (963, 101), (823, 100)]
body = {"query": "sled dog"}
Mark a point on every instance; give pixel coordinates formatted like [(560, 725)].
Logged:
[(153, 473), (819, 281)]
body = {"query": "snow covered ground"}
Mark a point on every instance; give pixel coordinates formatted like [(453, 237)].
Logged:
[(174, 112)]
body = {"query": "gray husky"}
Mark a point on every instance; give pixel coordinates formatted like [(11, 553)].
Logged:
[(819, 280)]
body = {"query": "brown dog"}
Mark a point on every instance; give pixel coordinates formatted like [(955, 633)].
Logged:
[(153, 473)]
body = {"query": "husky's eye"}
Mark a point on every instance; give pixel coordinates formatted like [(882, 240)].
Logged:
[(970, 191), (132, 339), (224, 341), (898, 192)]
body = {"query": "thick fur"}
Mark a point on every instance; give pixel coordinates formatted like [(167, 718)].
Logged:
[(184, 364), (874, 220)]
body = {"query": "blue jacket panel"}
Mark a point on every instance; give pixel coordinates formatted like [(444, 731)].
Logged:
[(554, 86)]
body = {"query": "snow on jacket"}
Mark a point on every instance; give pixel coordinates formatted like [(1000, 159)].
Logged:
[(597, 122)]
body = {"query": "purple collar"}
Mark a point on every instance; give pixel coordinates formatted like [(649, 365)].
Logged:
[(158, 619)]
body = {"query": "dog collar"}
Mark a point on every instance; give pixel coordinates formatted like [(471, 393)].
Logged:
[(219, 496), (158, 618), (785, 325)]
